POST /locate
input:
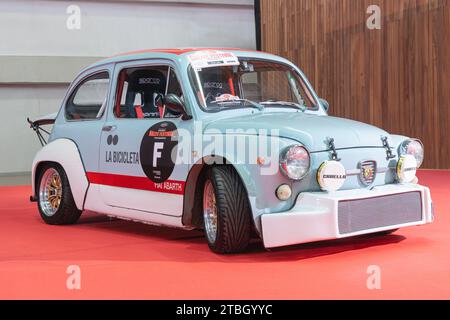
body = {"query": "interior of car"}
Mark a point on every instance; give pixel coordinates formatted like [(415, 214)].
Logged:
[(137, 88)]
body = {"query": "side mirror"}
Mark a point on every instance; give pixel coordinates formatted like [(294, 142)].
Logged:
[(176, 105), (325, 104)]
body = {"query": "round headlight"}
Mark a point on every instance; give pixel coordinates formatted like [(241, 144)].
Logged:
[(413, 148), (295, 162)]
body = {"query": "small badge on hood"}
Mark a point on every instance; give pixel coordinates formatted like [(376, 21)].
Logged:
[(368, 172)]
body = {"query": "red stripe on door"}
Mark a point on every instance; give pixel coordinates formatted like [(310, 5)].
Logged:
[(138, 183)]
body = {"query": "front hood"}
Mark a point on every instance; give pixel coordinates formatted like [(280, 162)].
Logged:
[(311, 130)]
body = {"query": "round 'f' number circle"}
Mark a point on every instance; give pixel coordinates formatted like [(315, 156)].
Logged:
[(157, 147)]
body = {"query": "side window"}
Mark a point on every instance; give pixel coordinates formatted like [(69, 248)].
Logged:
[(136, 88), (88, 100)]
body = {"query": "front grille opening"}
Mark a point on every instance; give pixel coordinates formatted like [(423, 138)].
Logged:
[(370, 213)]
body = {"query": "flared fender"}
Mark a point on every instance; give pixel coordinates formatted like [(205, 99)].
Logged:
[(65, 153)]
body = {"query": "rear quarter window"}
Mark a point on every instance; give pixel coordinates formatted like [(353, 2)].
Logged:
[(88, 100)]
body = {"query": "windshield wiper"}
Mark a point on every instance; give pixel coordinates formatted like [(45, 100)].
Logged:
[(253, 104), (285, 103)]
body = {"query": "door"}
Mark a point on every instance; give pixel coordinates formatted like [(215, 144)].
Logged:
[(139, 167)]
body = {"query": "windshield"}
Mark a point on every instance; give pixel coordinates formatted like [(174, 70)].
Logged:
[(251, 84)]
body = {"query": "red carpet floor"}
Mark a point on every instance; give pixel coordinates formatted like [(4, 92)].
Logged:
[(124, 260)]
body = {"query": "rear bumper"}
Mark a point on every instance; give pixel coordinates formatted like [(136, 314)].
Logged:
[(324, 216)]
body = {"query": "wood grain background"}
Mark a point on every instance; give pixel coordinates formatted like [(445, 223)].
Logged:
[(397, 78)]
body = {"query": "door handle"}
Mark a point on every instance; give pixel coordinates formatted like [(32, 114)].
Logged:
[(109, 128)]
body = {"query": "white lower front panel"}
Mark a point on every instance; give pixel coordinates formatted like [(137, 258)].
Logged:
[(322, 216)]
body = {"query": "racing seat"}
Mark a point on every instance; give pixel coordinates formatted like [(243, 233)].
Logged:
[(142, 85), (217, 82)]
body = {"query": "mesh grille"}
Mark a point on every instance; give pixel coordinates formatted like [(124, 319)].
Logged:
[(370, 213)]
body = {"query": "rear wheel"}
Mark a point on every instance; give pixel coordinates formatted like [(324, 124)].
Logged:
[(226, 211), (55, 200)]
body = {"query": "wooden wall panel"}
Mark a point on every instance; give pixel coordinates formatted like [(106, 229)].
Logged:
[(397, 78)]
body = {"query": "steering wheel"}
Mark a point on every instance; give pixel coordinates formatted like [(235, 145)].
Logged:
[(211, 98)]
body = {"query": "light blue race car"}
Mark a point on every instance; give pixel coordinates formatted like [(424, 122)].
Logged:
[(231, 141)]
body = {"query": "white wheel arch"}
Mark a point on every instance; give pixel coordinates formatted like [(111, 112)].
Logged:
[(65, 153)]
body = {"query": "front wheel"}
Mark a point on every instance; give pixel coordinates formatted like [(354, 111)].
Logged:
[(55, 200), (226, 211)]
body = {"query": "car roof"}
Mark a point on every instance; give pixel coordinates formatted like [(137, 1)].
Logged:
[(170, 53)]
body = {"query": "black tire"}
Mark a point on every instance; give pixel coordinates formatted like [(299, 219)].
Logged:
[(67, 211), (233, 210)]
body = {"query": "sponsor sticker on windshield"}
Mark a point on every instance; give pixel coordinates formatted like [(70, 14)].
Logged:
[(207, 59), (226, 98)]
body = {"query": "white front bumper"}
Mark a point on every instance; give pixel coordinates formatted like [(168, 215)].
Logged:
[(315, 215)]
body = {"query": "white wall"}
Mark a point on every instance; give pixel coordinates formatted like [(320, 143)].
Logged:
[(39, 55), (18, 143), (39, 27)]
